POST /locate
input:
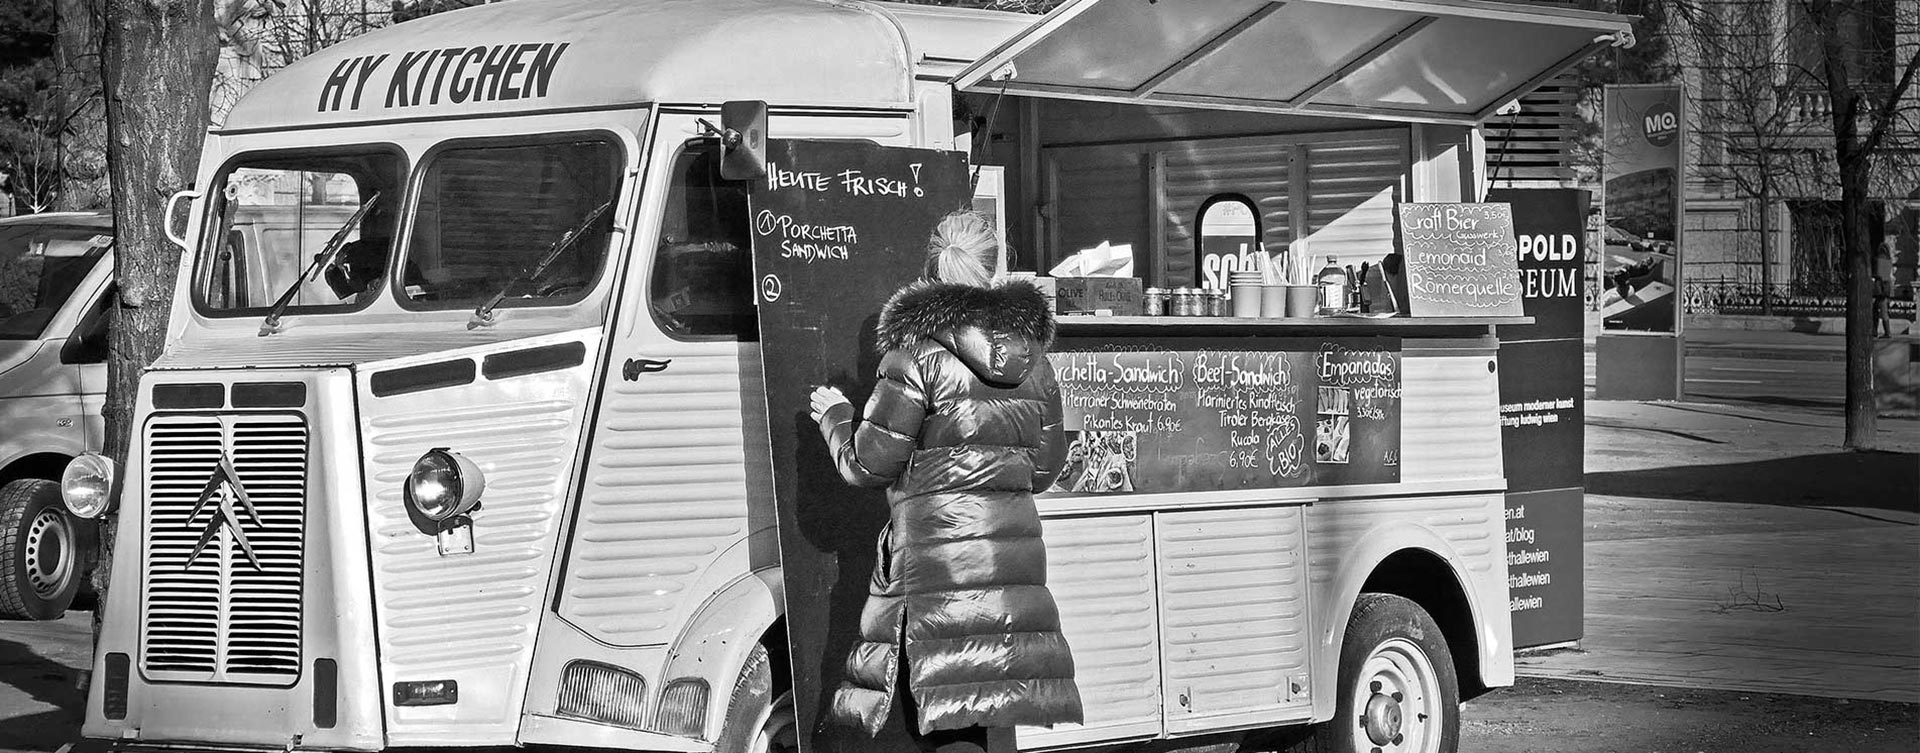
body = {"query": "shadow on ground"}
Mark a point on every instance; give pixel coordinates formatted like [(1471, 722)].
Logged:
[(47, 682), (1877, 480)]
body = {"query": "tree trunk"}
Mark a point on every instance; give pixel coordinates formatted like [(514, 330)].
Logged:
[(83, 137), (1862, 403), (1854, 165), (157, 66), (1766, 243)]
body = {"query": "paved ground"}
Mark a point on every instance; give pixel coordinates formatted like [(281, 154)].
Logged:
[(39, 663), (1740, 548), (1565, 716)]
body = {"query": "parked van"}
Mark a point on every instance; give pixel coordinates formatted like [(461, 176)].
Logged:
[(532, 297), (55, 271)]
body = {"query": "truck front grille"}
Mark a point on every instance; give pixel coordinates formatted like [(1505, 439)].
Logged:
[(224, 485)]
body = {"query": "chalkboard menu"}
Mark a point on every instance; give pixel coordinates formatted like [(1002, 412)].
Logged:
[(837, 228), (1196, 415), (1460, 259)]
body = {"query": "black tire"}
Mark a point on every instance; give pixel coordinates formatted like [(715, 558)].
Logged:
[(41, 551), (1398, 689), (758, 721)]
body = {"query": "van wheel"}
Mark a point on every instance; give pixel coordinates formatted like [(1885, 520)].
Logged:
[(757, 721), (40, 551), (1398, 689)]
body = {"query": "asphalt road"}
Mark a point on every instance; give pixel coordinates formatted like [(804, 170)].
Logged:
[(1808, 371), (39, 711)]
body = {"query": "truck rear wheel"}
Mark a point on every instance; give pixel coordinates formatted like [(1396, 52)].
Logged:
[(757, 720), (1398, 689), (40, 551)]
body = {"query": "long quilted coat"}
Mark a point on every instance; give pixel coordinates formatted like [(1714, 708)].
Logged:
[(962, 427)]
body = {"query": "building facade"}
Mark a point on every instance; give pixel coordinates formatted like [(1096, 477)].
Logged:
[(1761, 226)]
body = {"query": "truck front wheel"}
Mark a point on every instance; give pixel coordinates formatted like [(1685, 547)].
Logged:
[(40, 551), (758, 721), (1398, 689)]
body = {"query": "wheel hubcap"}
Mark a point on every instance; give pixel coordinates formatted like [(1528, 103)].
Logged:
[(49, 553), (1399, 698), (1383, 719)]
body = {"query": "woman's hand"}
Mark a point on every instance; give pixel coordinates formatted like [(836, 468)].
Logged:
[(822, 400)]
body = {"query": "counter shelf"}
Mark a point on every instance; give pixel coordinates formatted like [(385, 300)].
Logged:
[(1056, 504)]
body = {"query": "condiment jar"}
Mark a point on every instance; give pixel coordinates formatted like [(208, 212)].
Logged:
[(1185, 302), (1154, 302)]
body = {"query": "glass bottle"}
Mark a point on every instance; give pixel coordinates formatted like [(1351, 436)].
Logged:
[(1333, 287)]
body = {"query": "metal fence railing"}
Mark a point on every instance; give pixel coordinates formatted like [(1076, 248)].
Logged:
[(1739, 298)]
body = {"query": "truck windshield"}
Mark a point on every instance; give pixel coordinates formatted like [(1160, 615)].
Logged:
[(488, 216), (40, 266), (276, 212)]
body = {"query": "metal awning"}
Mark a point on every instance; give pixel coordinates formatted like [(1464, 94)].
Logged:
[(1448, 61)]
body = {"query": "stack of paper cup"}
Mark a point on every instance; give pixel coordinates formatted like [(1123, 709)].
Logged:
[(1244, 291)]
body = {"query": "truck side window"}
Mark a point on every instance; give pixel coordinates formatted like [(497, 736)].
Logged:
[(489, 217), (277, 211), (703, 269)]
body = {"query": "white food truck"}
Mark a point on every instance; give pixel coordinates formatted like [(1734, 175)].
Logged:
[(491, 470)]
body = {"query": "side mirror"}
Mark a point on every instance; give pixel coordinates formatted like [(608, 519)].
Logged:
[(743, 140)]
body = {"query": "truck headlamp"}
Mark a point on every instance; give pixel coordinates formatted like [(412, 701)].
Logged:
[(87, 485), (443, 485)]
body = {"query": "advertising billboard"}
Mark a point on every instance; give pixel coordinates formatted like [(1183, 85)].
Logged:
[(1644, 134)]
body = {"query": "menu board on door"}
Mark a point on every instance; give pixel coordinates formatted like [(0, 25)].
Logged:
[(837, 228)]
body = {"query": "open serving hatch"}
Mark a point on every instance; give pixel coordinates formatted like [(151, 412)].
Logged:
[(1444, 61)]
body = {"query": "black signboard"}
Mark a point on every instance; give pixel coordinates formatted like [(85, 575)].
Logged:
[(1459, 259), (1549, 227), (1198, 415), (1542, 417), (837, 227), (1545, 556)]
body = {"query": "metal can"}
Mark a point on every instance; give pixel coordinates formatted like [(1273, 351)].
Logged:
[(1154, 302)]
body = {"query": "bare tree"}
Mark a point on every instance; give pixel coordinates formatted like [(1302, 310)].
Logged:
[(157, 65), (1809, 96), (83, 135), (1745, 84), (259, 37), (1864, 116)]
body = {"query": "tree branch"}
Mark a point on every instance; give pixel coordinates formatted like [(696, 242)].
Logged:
[(1883, 114)]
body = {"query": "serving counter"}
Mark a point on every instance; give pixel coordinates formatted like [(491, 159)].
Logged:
[(1231, 485)]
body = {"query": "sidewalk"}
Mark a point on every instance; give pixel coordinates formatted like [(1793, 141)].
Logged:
[(1741, 548)]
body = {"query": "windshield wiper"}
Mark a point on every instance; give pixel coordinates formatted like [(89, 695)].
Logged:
[(483, 315), (320, 262)]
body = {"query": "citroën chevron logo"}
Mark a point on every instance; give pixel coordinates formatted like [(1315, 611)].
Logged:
[(223, 490)]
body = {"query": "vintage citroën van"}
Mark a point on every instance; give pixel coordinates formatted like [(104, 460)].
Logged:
[(490, 467)]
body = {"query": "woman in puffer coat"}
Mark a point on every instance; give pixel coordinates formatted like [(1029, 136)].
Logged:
[(962, 428)]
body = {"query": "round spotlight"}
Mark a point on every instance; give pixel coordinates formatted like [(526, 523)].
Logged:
[(444, 484), (87, 485)]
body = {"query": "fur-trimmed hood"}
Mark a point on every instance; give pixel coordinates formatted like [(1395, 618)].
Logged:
[(997, 332)]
